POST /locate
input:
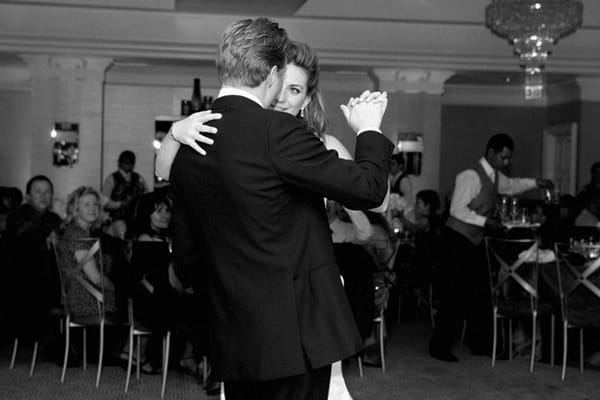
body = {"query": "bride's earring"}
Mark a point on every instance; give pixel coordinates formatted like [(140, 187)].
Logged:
[(302, 113)]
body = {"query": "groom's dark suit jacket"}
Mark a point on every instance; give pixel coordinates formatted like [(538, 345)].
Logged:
[(252, 212)]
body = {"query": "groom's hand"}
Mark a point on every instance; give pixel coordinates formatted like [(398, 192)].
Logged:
[(365, 112)]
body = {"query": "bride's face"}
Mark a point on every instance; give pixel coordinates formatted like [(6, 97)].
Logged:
[(293, 96)]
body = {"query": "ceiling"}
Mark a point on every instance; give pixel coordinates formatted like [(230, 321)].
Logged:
[(258, 7), (349, 35)]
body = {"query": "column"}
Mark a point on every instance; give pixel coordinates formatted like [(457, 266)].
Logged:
[(15, 99), (589, 121), (415, 105), (67, 89)]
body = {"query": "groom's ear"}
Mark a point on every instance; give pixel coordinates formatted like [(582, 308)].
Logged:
[(274, 76)]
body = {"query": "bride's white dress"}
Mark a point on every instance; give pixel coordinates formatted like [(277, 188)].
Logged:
[(337, 385)]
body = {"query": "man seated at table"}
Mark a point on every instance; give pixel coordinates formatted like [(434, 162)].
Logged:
[(464, 284), (589, 216)]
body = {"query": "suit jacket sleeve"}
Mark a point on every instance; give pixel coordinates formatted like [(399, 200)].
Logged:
[(188, 248), (301, 160)]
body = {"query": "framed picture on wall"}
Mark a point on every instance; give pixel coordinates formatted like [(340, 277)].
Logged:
[(65, 151)]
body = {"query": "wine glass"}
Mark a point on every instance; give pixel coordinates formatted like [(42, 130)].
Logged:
[(514, 209)]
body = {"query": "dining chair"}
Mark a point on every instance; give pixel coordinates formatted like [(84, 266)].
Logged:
[(69, 276), (381, 301), (55, 314), (578, 279), (380, 332), (14, 355), (513, 275), (136, 332)]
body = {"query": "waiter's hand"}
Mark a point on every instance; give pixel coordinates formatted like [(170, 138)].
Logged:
[(544, 183), (493, 225)]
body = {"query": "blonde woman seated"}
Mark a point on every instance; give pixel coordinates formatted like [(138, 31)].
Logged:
[(83, 211)]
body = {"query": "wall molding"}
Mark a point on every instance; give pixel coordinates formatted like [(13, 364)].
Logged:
[(164, 34), (15, 78)]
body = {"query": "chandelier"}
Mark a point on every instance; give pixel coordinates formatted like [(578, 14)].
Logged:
[(533, 27)]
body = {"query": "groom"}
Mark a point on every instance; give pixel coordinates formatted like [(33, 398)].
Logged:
[(278, 314)]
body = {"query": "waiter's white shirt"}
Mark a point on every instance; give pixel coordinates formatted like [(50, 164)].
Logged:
[(468, 185)]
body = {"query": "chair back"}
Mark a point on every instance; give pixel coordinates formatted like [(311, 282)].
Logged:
[(130, 316), (578, 278), (71, 275), (585, 233), (58, 257), (513, 273)]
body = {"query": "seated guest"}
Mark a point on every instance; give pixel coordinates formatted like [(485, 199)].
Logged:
[(566, 204), (153, 217), (590, 215), (350, 229), (83, 211), (32, 284), (154, 296), (10, 200), (593, 185), (382, 248), (381, 245), (594, 177), (427, 235), (348, 226), (426, 213), (414, 265), (160, 301)]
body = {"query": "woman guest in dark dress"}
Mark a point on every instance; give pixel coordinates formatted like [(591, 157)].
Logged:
[(418, 272), (154, 305), (160, 300)]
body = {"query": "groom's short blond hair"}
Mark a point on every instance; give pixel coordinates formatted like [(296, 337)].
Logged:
[(249, 49)]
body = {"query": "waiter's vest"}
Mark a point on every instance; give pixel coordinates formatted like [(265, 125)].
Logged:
[(126, 192), (483, 204)]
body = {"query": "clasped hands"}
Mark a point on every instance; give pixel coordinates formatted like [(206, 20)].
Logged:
[(366, 111)]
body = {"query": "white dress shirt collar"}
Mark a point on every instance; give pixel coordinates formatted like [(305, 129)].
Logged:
[(230, 91), (489, 170)]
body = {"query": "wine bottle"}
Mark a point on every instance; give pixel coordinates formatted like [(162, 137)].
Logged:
[(196, 97), (186, 108)]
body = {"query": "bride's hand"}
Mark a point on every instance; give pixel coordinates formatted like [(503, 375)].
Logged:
[(365, 111), (189, 131)]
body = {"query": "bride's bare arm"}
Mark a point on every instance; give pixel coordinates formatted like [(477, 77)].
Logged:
[(333, 143), (186, 131)]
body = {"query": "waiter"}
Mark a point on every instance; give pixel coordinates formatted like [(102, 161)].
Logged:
[(464, 289)]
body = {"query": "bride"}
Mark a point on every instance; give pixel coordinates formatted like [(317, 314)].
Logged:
[(299, 96)]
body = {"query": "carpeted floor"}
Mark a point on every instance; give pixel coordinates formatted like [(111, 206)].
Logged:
[(411, 374)]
